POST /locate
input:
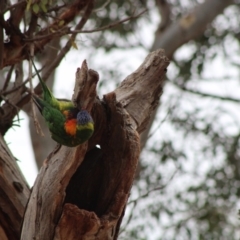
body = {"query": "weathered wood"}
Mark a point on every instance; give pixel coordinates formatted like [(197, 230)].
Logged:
[(76, 222), (45, 203), (14, 193), (140, 92), (88, 79), (82, 194)]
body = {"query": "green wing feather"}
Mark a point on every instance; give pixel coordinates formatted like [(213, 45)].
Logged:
[(53, 117)]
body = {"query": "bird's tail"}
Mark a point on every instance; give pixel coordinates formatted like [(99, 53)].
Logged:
[(46, 90), (39, 102)]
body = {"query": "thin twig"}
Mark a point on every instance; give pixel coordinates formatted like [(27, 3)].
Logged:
[(110, 25), (68, 45), (36, 123), (205, 94), (135, 201), (102, 7), (56, 8), (21, 85), (154, 189), (9, 74), (18, 81), (12, 6), (11, 104), (67, 30), (159, 125), (16, 88), (59, 33)]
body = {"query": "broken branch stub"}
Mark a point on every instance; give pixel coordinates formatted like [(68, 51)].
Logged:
[(139, 93), (85, 87)]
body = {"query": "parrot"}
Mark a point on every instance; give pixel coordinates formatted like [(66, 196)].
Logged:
[(67, 124)]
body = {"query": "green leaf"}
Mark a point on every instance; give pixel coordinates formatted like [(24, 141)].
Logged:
[(35, 8), (29, 2), (43, 6), (74, 45), (61, 23)]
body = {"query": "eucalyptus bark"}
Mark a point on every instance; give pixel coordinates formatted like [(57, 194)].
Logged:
[(14, 194), (81, 192)]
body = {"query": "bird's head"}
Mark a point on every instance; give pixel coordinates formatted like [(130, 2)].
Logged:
[(83, 118), (70, 113)]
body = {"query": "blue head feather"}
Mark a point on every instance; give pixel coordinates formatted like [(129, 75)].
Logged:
[(83, 117)]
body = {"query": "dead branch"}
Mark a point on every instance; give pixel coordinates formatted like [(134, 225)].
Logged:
[(149, 76), (85, 79)]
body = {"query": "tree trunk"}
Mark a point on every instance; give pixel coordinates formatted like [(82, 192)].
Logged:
[(14, 194), (81, 192)]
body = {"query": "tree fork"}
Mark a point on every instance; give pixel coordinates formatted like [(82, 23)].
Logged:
[(82, 192)]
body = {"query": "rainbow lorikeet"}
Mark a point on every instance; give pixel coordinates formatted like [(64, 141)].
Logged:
[(68, 125)]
